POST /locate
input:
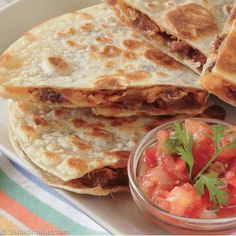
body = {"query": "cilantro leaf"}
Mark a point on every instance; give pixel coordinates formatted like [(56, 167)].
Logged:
[(169, 145), (185, 147), (217, 135), (213, 184)]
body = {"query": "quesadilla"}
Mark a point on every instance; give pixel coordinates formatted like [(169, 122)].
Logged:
[(219, 75), (183, 29), (75, 150), (53, 181), (89, 59)]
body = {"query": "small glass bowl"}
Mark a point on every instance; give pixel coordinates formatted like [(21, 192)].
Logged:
[(173, 223)]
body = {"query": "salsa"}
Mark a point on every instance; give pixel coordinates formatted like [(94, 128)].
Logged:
[(190, 170)]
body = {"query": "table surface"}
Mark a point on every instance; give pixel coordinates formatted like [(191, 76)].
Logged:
[(29, 207)]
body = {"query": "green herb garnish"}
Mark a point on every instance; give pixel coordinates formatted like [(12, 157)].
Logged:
[(217, 135), (213, 184), (184, 144), (185, 149)]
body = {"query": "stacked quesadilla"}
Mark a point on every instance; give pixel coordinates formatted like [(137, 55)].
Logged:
[(219, 75), (86, 88), (182, 29)]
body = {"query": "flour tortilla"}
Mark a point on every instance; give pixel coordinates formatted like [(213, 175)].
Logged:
[(67, 144), (193, 22), (219, 75), (52, 180), (89, 59)]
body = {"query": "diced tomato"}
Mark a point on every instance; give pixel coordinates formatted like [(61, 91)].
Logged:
[(166, 162), (162, 135), (200, 130), (232, 195), (232, 181), (180, 165), (159, 198), (231, 178), (227, 211), (227, 154), (176, 168), (156, 177), (228, 175), (232, 165), (206, 202), (150, 157), (180, 170), (184, 201), (202, 151), (203, 147)]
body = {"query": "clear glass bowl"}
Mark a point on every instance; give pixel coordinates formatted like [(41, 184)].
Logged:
[(173, 223)]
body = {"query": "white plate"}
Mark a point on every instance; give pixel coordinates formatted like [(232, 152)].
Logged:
[(117, 214)]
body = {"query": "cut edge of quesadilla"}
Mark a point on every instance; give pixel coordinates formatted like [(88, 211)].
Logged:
[(218, 76), (73, 186), (118, 67), (173, 42), (163, 99), (98, 181), (173, 108)]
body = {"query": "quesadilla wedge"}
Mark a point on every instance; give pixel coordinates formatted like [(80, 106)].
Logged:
[(219, 75), (55, 182), (89, 59), (182, 29), (75, 150)]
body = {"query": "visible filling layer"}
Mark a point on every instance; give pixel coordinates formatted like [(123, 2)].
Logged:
[(161, 97), (221, 88), (106, 178), (219, 40), (142, 22)]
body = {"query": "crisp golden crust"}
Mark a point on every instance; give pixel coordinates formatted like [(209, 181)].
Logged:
[(182, 29), (220, 72), (168, 99), (226, 58), (80, 59), (192, 21), (58, 183), (160, 58), (75, 142), (220, 87)]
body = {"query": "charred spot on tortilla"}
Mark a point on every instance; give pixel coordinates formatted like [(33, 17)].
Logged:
[(110, 81), (86, 16), (79, 143), (78, 123), (129, 55), (99, 132), (162, 59), (104, 39), (192, 21), (10, 61), (111, 51), (137, 75), (132, 44), (40, 121), (87, 27), (77, 163), (60, 65)]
